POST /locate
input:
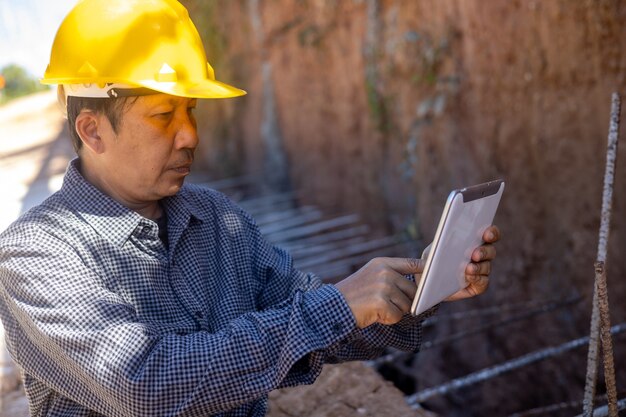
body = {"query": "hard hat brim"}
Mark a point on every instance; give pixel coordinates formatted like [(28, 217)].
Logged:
[(191, 89), (203, 89)]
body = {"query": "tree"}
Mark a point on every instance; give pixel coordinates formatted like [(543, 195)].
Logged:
[(18, 82)]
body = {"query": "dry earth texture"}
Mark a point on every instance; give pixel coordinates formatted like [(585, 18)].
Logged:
[(383, 106)]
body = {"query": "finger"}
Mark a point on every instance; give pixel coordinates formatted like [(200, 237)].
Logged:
[(478, 284), (393, 314), (484, 253), (459, 295), (406, 287), (405, 266), (478, 268), (401, 302), (492, 234)]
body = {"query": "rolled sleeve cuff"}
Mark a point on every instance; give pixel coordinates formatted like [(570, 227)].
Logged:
[(330, 315)]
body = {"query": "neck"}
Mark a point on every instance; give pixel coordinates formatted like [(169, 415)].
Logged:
[(152, 212)]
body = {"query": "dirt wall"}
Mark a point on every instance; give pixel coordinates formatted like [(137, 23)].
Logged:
[(383, 106)]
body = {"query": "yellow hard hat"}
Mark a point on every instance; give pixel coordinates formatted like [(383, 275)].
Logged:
[(146, 43)]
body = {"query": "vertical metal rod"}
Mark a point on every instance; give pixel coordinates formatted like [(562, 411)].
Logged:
[(607, 197), (605, 338), (592, 360)]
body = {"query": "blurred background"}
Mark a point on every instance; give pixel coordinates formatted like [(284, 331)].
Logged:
[(27, 29), (380, 108)]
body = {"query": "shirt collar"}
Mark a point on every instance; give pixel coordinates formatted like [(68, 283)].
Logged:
[(113, 220), (181, 207), (108, 217)]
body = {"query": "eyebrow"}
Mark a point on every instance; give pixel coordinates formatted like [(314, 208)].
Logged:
[(174, 101)]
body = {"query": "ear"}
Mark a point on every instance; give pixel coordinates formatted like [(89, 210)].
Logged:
[(87, 127)]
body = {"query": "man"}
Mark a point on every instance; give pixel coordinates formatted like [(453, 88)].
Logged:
[(128, 293)]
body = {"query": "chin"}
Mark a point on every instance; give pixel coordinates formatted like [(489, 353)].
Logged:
[(171, 190), (174, 190)]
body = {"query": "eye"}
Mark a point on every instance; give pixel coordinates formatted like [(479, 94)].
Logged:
[(163, 112)]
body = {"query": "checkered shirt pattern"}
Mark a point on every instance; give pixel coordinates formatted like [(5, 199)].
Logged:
[(103, 319)]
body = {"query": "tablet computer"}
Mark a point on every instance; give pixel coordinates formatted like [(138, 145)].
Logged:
[(467, 214)]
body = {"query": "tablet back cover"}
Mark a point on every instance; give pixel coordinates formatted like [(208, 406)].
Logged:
[(468, 212)]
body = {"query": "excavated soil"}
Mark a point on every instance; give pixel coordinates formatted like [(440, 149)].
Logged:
[(382, 106)]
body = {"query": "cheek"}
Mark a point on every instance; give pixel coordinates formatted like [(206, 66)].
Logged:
[(156, 162), (152, 164), (134, 165), (151, 155), (145, 152)]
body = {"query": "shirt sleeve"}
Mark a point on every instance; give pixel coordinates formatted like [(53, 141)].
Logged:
[(371, 342), (281, 279), (83, 341)]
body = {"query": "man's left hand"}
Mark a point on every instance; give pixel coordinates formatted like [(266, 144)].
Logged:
[(477, 271)]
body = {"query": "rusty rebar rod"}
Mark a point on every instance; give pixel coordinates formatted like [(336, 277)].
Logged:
[(605, 338), (592, 360), (604, 410), (548, 410), (500, 309), (397, 356), (596, 321), (508, 366)]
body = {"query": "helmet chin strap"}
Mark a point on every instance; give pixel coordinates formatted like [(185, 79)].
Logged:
[(109, 90)]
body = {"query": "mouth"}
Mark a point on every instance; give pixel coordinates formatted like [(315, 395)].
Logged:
[(183, 169)]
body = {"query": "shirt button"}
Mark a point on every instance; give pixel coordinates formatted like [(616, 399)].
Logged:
[(199, 315), (337, 328)]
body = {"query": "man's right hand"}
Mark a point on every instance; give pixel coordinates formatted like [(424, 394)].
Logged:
[(379, 292)]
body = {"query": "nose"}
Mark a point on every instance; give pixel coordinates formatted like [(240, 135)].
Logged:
[(187, 133)]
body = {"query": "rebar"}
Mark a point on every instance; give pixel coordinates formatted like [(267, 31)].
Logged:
[(495, 309), (607, 198), (548, 410), (604, 410), (605, 337), (504, 367), (546, 308)]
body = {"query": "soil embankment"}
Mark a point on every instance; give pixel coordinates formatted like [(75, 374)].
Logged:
[(383, 106)]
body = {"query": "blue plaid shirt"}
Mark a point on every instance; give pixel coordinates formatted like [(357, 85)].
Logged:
[(105, 320)]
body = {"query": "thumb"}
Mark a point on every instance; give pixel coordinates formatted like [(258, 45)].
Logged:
[(406, 266)]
